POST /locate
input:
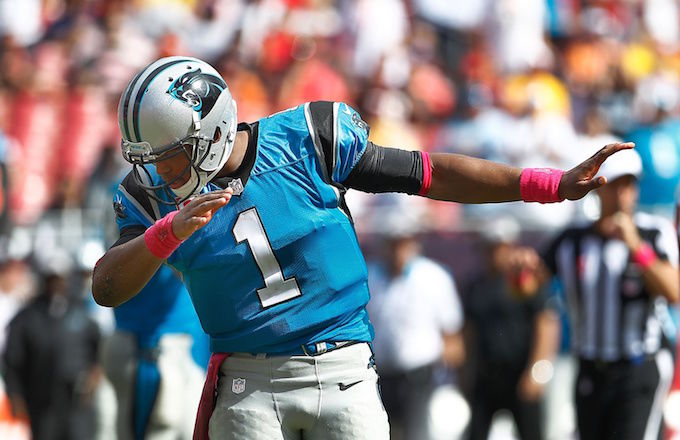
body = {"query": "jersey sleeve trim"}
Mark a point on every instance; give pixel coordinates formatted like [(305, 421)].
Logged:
[(334, 149), (321, 119), (129, 233), (144, 205)]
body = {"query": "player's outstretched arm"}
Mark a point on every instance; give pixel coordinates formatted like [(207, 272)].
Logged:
[(470, 180), (124, 270)]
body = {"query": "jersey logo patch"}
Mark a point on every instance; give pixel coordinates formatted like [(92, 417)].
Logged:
[(236, 185), (118, 207), (238, 385), (356, 120)]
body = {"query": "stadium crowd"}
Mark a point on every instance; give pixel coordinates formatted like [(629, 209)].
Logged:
[(523, 82)]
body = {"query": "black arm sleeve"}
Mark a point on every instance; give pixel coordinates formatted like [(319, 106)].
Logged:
[(127, 234), (383, 169)]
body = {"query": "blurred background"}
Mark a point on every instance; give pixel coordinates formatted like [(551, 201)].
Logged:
[(523, 82)]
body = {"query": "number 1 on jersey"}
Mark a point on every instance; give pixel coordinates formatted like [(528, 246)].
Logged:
[(248, 227)]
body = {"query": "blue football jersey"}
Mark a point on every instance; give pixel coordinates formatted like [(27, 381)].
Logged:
[(279, 266)]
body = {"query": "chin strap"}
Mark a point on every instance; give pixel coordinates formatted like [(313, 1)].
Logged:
[(193, 185)]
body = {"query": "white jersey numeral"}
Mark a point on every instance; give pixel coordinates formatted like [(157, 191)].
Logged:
[(248, 227)]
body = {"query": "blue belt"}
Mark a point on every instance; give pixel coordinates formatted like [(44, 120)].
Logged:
[(313, 349)]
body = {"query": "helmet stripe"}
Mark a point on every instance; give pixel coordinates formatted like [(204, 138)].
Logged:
[(142, 90), (126, 102)]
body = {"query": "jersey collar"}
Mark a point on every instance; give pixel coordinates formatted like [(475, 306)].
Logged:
[(243, 170)]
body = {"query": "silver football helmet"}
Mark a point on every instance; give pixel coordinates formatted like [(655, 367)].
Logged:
[(177, 105)]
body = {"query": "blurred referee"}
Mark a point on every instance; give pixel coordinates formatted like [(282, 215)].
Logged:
[(619, 274)]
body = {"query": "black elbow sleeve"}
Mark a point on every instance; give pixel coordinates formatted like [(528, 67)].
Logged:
[(382, 169)]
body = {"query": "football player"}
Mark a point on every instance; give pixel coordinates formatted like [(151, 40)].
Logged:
[(277, 278), (149, 361)]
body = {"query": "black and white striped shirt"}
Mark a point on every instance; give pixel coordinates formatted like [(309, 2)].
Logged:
[(612, 313)]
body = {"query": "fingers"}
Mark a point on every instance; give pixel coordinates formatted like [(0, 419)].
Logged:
[(208, 202), (610, 149), (594, 183), (199, 211), (197, 222), (209, 206)]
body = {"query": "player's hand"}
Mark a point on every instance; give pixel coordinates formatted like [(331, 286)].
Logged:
[(579, 181), (198, 212)]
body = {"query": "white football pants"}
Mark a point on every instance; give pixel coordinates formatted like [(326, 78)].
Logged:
[(331, 396)]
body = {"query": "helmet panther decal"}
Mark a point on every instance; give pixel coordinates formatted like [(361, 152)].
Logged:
[(198, 90)]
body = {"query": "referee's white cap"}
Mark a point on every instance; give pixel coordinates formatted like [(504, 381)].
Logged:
[(502, 229), (622, 163)]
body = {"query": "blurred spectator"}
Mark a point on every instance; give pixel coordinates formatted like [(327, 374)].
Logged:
[(512, 332), (381, 27), (312, 80), (452, 26), (22, 21), (5, 146), (260, 18), (417, 317), (51, 359), (662, 21), (214, 27), (518, 35), (15, 286)]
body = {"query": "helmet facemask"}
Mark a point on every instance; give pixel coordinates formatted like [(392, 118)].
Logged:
[(192, 146)]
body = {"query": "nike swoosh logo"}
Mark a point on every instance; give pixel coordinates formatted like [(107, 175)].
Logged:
[(343, 387)]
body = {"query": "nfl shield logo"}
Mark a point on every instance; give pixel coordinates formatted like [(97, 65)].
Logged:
[(238, 385)]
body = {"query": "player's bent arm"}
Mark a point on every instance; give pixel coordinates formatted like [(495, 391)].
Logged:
[(123, 271)]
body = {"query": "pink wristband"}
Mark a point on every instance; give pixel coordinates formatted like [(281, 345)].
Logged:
[(540, 185), (160, 239), (427, 174), (644, 256)]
